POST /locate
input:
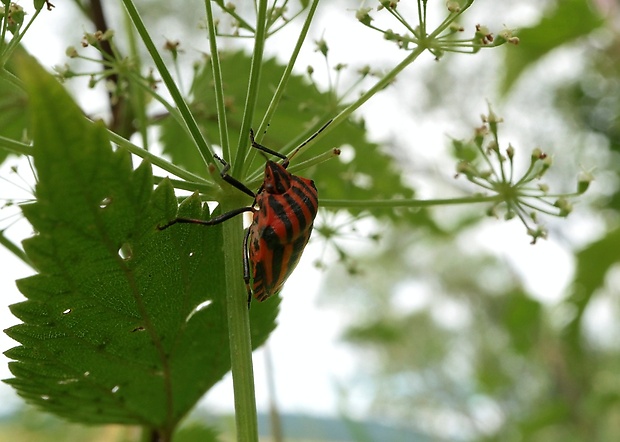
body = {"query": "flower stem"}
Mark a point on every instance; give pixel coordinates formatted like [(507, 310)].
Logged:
[(394, 203), (205, 150), (239, 328), (218, 84), (253, 85)]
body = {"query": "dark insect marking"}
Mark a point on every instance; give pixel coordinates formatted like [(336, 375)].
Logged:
[(258, 287), (255, 244), (309, 192), (308, 200), (280, 179), (274, 276), (282, 215), (298, 248), (296, 210)]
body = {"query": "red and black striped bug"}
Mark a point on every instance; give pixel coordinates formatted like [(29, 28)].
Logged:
[(284, 209)]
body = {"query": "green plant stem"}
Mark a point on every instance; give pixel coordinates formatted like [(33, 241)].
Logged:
[(239, 326), (11, 78), (139, 97), (154, 159), (14, 249), (218, 84), (253, 85), (208, 190), (394, 203), (5, 24), (275, 100), (205, 150), (138, 81), (231, 11), (390, 76), (15, 146), (379, 85), (273, 105), (5, 53)]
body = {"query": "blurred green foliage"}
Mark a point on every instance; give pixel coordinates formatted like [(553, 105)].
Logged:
[(451, 338)]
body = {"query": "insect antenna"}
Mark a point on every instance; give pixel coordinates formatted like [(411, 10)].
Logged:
[(285, 159), (298, 148)]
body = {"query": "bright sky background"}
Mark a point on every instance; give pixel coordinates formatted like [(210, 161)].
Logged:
[(309, 362)]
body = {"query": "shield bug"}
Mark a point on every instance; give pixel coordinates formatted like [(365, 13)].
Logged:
[(283, 213)]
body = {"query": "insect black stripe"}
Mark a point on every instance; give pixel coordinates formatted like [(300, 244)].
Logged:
[(307, 200), (309, 191), (281, 178), (282, 216), (298, 248), (276, 266), (298, 212)]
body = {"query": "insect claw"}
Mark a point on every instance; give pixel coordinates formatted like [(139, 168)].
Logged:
[(168, 224)]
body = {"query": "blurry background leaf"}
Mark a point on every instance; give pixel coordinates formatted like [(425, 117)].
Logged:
[(196, 432), (567, 21)]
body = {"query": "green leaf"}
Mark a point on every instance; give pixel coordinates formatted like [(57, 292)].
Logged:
[(38, 4), (570, 20), (593, 263), (196, 432), (372, 174), (522, 316), (111, 332)]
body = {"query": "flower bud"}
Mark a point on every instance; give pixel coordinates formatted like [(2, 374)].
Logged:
[(564, 205), (71, 52), (506, 36), (107, 35), (362, 15), (364, 70), (583, 182), (546, 164), (510, 151), (387, 4), (453, 6), (321, 46), (539, 232), (465, 167)]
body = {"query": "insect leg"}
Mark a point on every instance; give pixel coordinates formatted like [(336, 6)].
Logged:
[(208, 222), (246, 265), (233, 181)]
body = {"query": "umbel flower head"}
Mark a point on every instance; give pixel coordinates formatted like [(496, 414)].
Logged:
[(484, 163)]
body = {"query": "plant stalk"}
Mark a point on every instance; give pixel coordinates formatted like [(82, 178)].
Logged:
[(253, 85), (394, 203), (205, 150), (239, 327)]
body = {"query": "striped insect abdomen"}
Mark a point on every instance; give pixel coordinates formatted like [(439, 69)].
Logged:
[(281, 228)]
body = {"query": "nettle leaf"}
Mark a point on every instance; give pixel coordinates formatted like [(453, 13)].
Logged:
[(123, 323), (372, 174)]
